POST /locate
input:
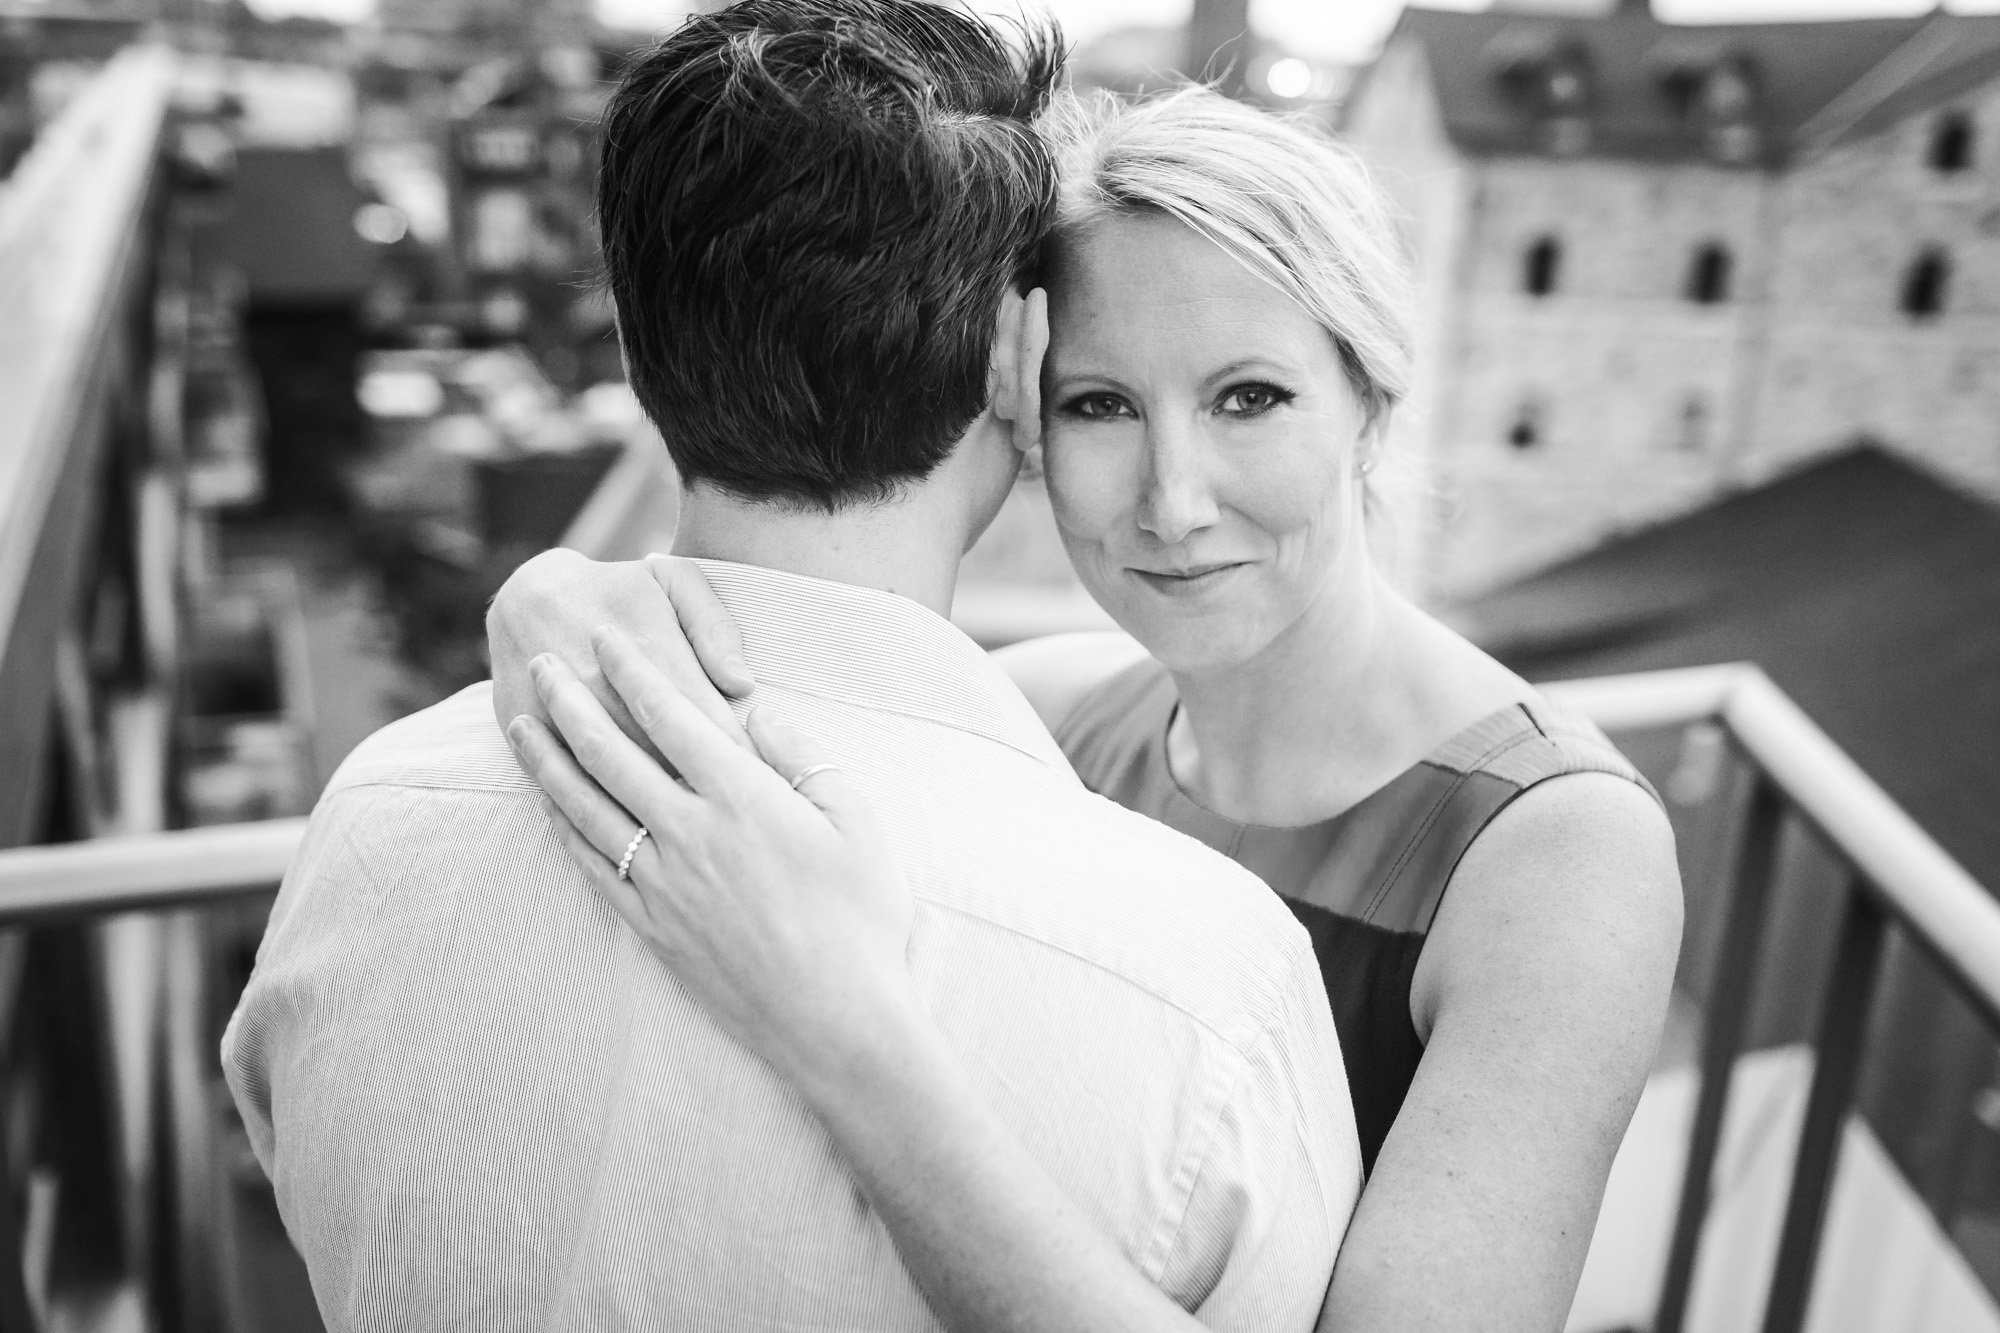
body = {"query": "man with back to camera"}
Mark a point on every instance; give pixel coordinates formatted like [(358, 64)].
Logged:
[(481, 1101)]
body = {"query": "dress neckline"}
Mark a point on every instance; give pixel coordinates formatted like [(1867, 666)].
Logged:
[(1196, 819)]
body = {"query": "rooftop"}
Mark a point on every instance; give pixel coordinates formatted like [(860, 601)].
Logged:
[(1748, 94), (1868, 590)]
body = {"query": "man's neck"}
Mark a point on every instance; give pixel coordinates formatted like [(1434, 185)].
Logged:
[(901, 546)]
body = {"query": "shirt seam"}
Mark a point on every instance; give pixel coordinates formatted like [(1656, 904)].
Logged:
[(1259, 1018), (955, 724), (1188, 1177)]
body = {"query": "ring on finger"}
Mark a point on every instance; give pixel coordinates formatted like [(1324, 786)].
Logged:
[(632, 850), (812, 769)]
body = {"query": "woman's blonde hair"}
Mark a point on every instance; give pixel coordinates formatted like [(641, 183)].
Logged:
[(1283, 198)]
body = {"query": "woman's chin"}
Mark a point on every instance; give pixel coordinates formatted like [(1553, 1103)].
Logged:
[(1191, 644)]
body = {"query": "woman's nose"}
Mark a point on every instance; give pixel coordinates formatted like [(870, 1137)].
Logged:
[(1177, 501)]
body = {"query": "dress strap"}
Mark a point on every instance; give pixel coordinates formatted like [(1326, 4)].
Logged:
[(1470, 780)]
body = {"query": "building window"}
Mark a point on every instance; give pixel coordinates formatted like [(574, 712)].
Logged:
[(1708, 275), (1694, 424), (1526, 432), (1543, 267), (1924, 287), (1951, 142)]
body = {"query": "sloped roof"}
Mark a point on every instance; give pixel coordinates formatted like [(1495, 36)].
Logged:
[(1880, 68), (1867, 589)]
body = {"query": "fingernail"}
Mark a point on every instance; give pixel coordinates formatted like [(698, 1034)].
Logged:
[(517, 731), (603, 634), (538, 666), (736, 666)]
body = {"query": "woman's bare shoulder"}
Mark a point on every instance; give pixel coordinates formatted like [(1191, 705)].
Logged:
[(1577, 874), (1057, 671)]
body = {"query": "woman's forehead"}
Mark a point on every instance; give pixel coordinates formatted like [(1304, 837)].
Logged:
[(1148, 276)]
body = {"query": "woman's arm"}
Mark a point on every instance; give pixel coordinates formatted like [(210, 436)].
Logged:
[(1544, 988), (788, 921)]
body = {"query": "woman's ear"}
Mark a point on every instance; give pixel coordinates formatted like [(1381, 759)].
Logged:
[(1021, 340), (1370, 443)]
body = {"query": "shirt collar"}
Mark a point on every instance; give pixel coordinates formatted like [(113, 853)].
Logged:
[(875, 650)]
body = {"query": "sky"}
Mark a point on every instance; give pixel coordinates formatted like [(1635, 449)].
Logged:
[(1330, 29)]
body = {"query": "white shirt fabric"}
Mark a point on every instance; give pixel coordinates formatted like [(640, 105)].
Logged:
[(485, 1106)]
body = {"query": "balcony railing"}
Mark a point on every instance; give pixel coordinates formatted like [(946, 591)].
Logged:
[(76, 260), (1898, 880)]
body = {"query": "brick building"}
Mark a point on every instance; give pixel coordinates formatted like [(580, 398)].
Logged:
[(1662, 262)]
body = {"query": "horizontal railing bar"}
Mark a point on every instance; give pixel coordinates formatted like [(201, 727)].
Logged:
[(1917, 880), (1947, 909), (148, 872), (1650, 700)]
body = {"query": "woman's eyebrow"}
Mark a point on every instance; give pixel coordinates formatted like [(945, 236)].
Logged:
[(1237, 367), (1064, 378)]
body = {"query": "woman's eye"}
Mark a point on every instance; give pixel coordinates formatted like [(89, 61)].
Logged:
[(1097, 405), (1249, 400)]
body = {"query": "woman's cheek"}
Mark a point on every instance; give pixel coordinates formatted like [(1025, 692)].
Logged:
[(1288, 490), (1087, 486)]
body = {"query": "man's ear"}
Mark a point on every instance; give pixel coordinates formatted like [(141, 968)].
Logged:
[(1020, 341)]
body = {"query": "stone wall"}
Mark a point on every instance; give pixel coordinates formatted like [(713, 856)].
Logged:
[(1550, 423)]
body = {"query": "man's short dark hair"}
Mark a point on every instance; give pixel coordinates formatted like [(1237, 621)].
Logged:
[(811, 210)]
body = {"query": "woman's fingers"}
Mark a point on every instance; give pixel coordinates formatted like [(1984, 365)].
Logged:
[(623, 894), (793, 753), (620, 767), (602, 821), (1034, 347), (710, 629), (691, 742)]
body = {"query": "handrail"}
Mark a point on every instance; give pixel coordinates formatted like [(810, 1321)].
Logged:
[(70, 217), (1916, 878), (150, 871)]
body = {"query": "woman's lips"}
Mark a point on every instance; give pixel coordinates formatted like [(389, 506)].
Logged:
[(1191, 582)]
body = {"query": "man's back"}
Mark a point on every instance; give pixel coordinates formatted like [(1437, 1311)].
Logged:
[(483, 1104)]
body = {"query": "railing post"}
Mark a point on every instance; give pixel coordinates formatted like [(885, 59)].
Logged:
[(1843, 1025), (1722, 1038)]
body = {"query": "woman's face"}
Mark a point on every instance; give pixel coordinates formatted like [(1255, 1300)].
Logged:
[(1200, 442)]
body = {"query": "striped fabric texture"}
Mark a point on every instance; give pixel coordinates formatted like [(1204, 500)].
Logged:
[(484, 1106)]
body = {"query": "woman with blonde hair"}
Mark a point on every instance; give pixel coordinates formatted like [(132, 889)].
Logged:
[(1489, 886)]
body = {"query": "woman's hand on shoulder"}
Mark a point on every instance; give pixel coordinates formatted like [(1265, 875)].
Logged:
[(762, 881), (1056, 671), (556, 600)]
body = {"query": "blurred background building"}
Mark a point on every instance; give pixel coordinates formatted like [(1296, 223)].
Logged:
[(303, 355), (1666, 261)]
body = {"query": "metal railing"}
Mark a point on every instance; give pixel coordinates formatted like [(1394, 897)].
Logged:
[(1899, 879), (76, 223)]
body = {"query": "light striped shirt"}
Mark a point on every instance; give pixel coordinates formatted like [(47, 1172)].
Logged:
[(485, 1106)]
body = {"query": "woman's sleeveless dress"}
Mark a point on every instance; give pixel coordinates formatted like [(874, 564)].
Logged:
[(1367, 883)]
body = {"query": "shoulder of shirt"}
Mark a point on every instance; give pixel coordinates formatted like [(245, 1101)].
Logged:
[(455, 745), (1164, 913)]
